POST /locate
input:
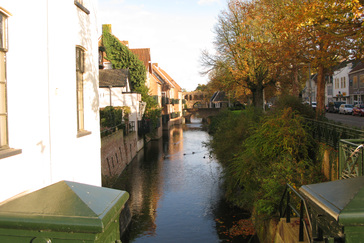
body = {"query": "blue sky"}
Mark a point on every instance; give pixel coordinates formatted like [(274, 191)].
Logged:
[(176, 31)]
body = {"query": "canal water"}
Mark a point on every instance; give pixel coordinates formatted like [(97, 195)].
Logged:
[(176, 195)]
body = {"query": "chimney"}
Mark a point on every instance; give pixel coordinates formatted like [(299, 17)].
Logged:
[(107, 28), (126, 43)]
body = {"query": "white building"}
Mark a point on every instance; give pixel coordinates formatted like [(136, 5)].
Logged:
[(49, 110), (341, 83), (114, 90)]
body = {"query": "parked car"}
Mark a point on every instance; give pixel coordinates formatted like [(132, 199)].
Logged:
[(334, 106), (313, 104), (358, 110), (345, 109)]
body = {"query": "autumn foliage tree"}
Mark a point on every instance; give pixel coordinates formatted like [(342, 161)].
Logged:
[(263, 42), (237, 34), (328, 32)]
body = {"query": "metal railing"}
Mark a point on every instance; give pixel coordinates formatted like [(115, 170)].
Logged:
[(351, 158), (331, 134), (109, 130), (286, 208), (127, 128)]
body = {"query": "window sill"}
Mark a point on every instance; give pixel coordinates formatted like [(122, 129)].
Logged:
[(79, 5), (9, 152), (83, 133)]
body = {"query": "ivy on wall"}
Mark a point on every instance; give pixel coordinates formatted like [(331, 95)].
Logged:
[(122, 58)]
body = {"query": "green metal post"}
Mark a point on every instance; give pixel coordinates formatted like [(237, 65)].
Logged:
[(301, 222), (288, 209)]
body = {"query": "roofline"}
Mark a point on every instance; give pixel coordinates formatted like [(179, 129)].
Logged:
[(360, 70), (160, 72), (111, 86)]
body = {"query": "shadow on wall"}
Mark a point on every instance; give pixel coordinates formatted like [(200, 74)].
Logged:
[(91, 77)]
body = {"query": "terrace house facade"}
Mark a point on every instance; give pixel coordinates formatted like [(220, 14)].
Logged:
[(356, 83), (171, 98)]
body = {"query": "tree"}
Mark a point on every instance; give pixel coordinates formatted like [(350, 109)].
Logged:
[(323, 33), (237, 36), (201, 87), (265, 42)]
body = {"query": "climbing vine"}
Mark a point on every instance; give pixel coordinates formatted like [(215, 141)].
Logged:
[(122, 58)]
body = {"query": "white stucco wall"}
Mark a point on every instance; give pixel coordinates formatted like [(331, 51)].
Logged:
[(41, 81), (120, 98), (338, 75), (117, 97)]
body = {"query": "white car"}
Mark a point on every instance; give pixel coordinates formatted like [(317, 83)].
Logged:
[(346, 109), (313, 104)]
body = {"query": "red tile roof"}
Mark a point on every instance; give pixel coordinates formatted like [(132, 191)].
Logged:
[(144, 55)]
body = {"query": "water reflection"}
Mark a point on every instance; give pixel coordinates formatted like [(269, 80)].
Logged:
[(175, 190)]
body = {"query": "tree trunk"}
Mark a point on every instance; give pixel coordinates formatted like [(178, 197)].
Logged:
[(320, 96), (295, 90), (258, 97)]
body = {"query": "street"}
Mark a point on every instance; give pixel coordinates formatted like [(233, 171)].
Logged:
[(352, 121)]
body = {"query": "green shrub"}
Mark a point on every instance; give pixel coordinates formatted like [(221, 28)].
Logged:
[(111, 116), (275, 153), (295, 104), (229, 129)]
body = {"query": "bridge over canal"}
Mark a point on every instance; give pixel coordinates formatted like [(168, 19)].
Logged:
[(203, 113)]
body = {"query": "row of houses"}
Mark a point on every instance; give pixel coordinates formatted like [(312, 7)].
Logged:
[(51, 95), (345, 84), (115, 88)]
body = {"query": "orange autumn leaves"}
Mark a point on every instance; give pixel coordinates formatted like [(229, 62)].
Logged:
[(263, 43), (240, 228)]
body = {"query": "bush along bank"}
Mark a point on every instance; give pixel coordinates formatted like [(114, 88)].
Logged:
[(260, 153)]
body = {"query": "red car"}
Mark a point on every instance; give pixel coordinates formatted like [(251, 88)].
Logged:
[(358, 110)]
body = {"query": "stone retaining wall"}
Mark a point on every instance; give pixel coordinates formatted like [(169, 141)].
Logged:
[(117, 152)]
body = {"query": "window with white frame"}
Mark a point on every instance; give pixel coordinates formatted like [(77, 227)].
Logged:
[(80, 69), (344, 81), (336, 83), (3, 92)]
